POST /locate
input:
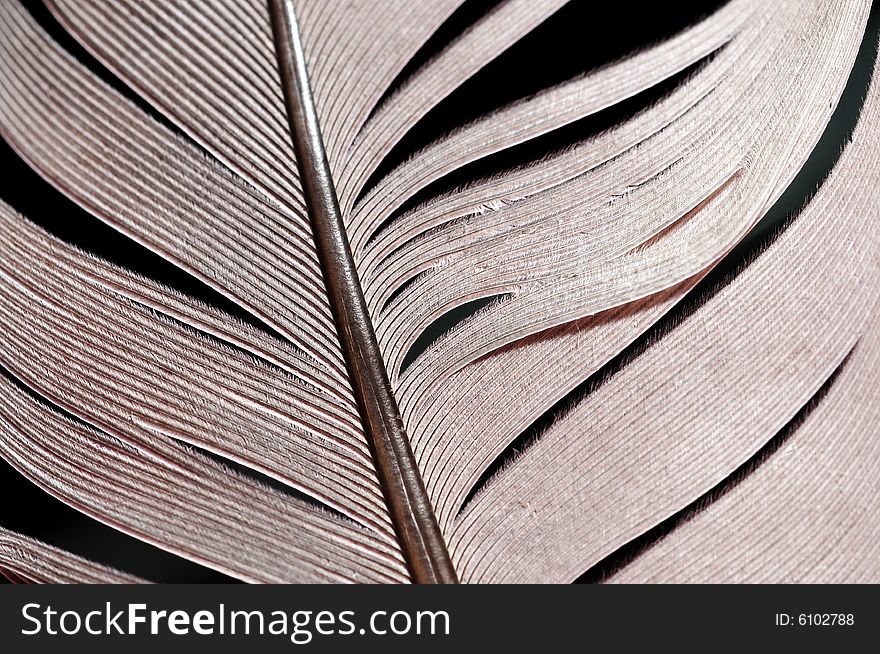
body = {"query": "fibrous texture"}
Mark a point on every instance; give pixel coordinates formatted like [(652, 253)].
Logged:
[(275, 408)]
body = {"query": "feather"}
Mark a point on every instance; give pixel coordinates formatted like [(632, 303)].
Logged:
[(26, 560), (587, 405)]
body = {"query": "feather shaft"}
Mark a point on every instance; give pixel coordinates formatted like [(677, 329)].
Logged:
[(412, 514)]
